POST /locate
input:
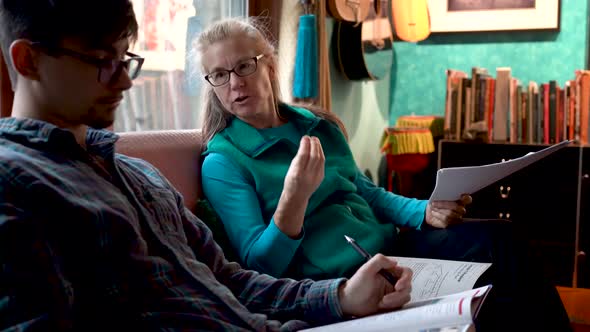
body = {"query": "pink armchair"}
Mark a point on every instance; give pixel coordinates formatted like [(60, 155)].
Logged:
[(176, 153)]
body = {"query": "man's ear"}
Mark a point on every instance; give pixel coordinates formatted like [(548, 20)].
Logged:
[(24, 58)]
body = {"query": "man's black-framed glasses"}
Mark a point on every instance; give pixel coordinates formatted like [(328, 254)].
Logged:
[(244, 68), (108, 69)]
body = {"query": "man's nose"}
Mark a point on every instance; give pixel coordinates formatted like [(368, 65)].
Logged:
[(121, 81)]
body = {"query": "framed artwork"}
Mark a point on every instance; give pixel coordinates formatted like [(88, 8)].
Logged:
[(493, 15), (162, 32)]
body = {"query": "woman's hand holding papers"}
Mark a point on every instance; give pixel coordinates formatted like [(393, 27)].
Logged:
[(441, 214)]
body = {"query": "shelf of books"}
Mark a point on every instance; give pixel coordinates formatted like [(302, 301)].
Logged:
[(504, 109)]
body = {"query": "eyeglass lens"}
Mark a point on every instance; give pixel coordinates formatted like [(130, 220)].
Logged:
[(245, 68), (108, 73)]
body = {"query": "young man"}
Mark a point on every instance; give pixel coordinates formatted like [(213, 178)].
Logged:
[(93, 240)]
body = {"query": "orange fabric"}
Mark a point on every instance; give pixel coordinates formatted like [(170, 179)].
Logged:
[(176, 153)]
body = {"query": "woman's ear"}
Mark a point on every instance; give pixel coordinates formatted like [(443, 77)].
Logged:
[(272, 72), (24, 58)]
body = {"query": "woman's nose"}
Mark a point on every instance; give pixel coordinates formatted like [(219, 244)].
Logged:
[(235, 80)]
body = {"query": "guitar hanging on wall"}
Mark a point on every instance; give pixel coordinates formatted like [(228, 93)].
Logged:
[(411, 19), (364, 52), (349, 10)]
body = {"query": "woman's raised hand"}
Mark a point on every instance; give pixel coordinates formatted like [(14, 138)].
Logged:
[(307, 169), (303, 178)]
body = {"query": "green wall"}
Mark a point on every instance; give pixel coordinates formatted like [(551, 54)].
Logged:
[(418, 74), (417, 80), (363, 107)]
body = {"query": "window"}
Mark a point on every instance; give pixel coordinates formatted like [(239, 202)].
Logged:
[(167, 93)]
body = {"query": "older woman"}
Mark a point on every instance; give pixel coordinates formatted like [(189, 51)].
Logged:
[(286, 186)]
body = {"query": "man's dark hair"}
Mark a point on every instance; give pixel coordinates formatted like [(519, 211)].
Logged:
[(95, 23)]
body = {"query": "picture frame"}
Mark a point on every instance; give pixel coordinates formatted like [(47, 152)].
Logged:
[(162, 33), (490, 15)]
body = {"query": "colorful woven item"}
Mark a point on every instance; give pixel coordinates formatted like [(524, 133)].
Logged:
[(408, 147), (396, 141), (434, 123)]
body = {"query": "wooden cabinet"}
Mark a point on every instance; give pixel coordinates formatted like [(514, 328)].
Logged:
[(543, 196)]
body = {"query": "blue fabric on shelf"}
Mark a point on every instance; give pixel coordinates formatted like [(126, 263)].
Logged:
[(305, 83)]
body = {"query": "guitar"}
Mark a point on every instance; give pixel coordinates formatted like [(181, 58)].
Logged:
[(411, 19), (364, 52), (349, 10)]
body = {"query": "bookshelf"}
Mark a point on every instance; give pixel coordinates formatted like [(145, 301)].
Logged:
[(502, 108)]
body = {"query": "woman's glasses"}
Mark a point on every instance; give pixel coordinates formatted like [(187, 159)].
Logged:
[(244, 68)]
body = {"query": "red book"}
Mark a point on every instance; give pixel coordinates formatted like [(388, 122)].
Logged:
[(490, 112)]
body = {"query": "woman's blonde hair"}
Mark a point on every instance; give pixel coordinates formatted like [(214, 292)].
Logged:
[(215, 116)]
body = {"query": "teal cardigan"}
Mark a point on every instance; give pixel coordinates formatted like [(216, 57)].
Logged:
[(244, 161)]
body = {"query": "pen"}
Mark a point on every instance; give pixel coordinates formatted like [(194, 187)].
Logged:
[(386, 274)]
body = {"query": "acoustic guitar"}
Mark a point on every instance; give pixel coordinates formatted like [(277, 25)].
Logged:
[(364, 52), (411, 19), (349, 10)]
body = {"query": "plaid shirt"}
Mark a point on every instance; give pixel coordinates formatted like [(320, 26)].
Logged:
[(93, 240)]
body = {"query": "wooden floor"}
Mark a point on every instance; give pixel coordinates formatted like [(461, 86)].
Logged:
[(577, 304)]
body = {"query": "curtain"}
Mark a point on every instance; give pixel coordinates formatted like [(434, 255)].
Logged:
[(167, 94), (287, 45)]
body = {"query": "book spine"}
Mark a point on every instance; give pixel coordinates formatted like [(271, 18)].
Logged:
[(552, 111), (501, 104)]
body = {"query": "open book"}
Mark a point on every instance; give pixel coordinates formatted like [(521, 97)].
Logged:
[(442, 300), (452, 182)]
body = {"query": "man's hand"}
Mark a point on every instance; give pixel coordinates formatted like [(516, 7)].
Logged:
[(367, 292), (441, 214)]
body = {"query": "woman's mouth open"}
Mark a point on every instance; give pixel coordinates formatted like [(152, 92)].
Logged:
[(241, 100)]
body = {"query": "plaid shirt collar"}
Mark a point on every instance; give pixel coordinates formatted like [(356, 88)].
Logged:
[(37, 133)]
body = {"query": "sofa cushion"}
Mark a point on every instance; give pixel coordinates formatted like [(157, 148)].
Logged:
[(176, 153)]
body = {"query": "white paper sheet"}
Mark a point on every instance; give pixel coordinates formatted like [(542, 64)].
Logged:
[(434, 277), (452, 182)]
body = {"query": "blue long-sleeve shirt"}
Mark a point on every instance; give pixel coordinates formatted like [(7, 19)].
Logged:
[(260, 243)]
